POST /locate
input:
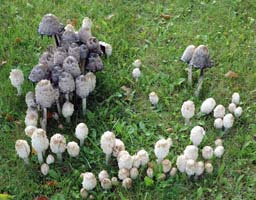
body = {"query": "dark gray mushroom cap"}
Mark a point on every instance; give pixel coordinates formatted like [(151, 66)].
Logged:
[(59, 55), (50, 25), (201, 57), (56, 72), (66, 82), (74, 50), (94, 63), (69, 36), (71, 66), (39, 72), (188, 53), (84, 51), (93, 45), (84, 34), (47, 59)]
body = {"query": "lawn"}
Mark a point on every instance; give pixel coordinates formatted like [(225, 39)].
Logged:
[(137, 29)]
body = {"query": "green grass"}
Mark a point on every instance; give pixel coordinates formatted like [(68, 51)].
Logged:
[(137, 31)]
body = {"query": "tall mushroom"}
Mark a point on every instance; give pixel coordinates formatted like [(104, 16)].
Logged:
[(81, 132), (188, 110), (107, 143), (45, 97), (58, 145), (23, 150), (85, 31), (17, 78), (40, 143), (66, 84), (201, 60), (162, 147)]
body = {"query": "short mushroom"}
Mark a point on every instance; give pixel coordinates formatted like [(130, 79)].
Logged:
[(162, 147), (71, 66), (81, 132), (94, 63), (153, 98), (89, 181), (207, 106), (58, 145), (188, 110), (44, 169), (73, 149), (191, 152), (17, 78), (106, 48), (136, 73), (68, 110), (23, 150), (85, 31), (196, 135)]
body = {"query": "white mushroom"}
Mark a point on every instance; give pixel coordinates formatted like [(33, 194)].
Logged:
[(218, 142), (207, 152), (208, 168), (107, 48), (191, 152), (106, 184), (66, 84), (232, 107), (81, 132), (103, 174), (17, 78), (136, 73), (84, 194), (190, 167), (134, 172), (219, 111), (181, 163), (219, 151), (44, 169), (31, 118), (85, 31), (167, 165), (29, 130), (119, 146), (30, 99), (137, 63), (40, 143), (153, 98), (236, 98), (23, 150), (208, 106), (238, 112), (89, 181), (188, 110), (143, 157), (199, 168), (196, 135), (50, 159), (58, 145), (73, 149), (125, 161), (218, 123), (114, 181), (173, 171), (150, 172), (162, 147), (107, 143), (127, 183), (123, 173), (67, 110), (228, 121)]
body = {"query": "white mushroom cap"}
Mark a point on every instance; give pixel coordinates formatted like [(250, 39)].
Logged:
[(127, 183), (58, 143), (228, 121), (67, 109), (162, 147), (167, 165), (82, 86), (134, 172), (44, 169), (208, 106), (136, 161), (89, 181), (218, 123), (143, 157), (106, 184), (45, 94), (208, 168), (119, 146), (50, 159), (150, 172), (173, 171), (16, 77), (136, 73), (191, 152), (29, 130), (232, 107), (107, 142), (238, 112), (190, 167), (73, 149), (207, 152), (199, 168), (236, 98), (125, 161), (114, 181), (31, 119), (123, 173), (81, 131), (219, 151), (188, 109), (197, 135), (30, 99), (218, 142), (108, 48), (153, 98), (181, 163), (84, 194), (66, 82), (219, 111), (137, 63), (103, 174), (188, 53), (40, 141), (22, 149)]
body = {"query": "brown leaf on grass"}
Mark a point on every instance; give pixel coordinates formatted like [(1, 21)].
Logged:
[(41, 198), (127, 90), (33, 151), (231, 74), (3, 62), (9, 117), (49, 115), (18, 122), (109, 17), (51, 183), (73, 22), (170, 130), (18, 40), (165, 16)]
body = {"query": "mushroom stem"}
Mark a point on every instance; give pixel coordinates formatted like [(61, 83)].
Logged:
[(67, 96), (190, 74), (82, 64), (19, 90), (58, 107), (187, 121), (40, 157), (200, 83), (26, 161), (81, 142), (68, 119), (44, 121), (59, 156), (56, 40), (108, 158), (159, 160), (84, 105)]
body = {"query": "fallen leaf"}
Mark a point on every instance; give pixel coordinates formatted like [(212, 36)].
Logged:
[(127, 90), (3, 62), (109, 17), (60, 126), (9, 117), (18, 122), (49, 115), (73, 22), (41, 198), (170, 130), (18, 40), (165, 16), (231, 74), (51, 183)]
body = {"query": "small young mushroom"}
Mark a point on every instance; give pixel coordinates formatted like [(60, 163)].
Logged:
[(55, 74), (73, 149), (31, 118), (50, 159), (186, 57), (134, 172), (207, 152), (232, 107), (167, 165), (47, 59), (238, 112), (150, 172), (107, 142), (196, 135), (114, 181), (191, 152), (188, 110), (93, 45), (236, 98), (219, 111), (219, 151), (181, 163), (119, 146), (106, 184), (89, 181), (17, 78), (137, 63), (66, 84), (136, 73), (40, 143), (44, 169), (106, 48), (81, 132), (127, 183), (218, 123), (153, 98), (23, 150), (30, 100), (190, 167), (59, 55), (69, 37), (199, 168), (173, 171), (208, 168), (162, 147), (208, 106), (58, 145), (123, 173), (103, 174), (218, 142), (68, 110), (228, 121), (84, 194), (85, 31), (29, 130)]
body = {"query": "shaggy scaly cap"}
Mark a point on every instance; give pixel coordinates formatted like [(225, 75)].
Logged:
[(58, 143), (134, 172), (181, 163), (50, 25), (208, 168), (232, 107), (123, 173), (30, 99), (201, 57), (82, 86), (188, 109), (38, 73), (219, 111), (45, 94), (22, 149), (107, 142), (125, 161), (167, 165), (31, 118), (59, 55), (238, 112), (103, 174), (143, 157), (89, 181), (29, 130), (66, 82), (191, 152), (73, 149), (74, 51), (40, 141), (119, 146), (136, 73), (228, 121), (127, 183), (207, 152), (150, 172), (190, 167), (188, 53), (162, 147), (71, 66), (199, 168), (16, 77), (208, 106), (197, 135), (106, 184)]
